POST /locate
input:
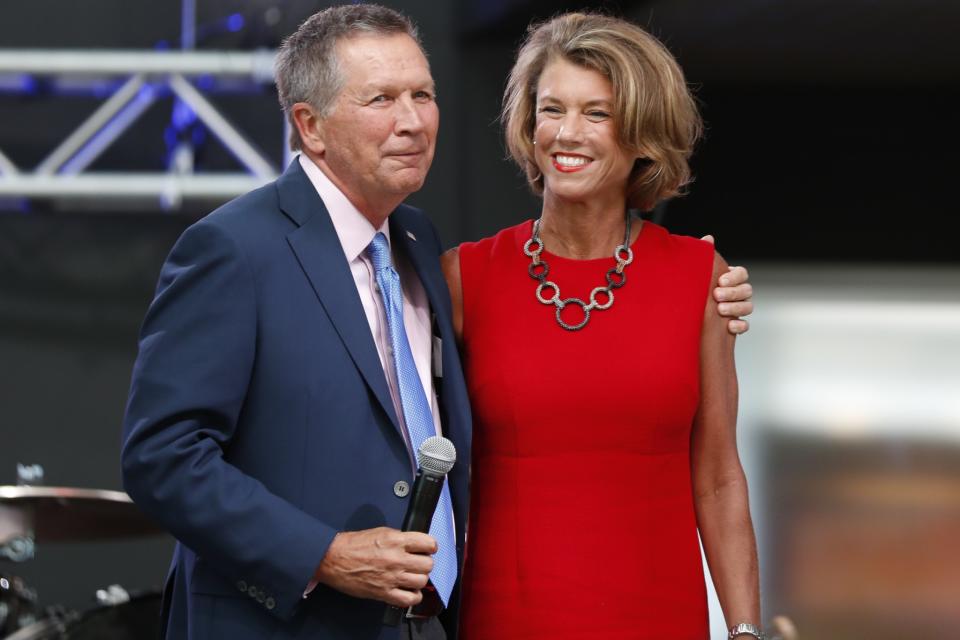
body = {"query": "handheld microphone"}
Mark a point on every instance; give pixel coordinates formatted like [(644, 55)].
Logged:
[(435, 458)]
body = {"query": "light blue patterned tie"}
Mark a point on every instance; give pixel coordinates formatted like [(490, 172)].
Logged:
[(416, 411)]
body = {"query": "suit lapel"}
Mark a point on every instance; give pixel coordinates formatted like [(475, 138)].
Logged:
[(320, 254), (424, 261)]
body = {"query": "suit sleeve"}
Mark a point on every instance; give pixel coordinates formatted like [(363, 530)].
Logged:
[(197, 351)]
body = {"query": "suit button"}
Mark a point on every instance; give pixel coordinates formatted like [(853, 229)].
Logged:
[(261, 596), (242, 585), (270, 604), (252, 592), (401, 488)]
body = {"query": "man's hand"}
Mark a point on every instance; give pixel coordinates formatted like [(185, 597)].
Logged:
[(734, 297), (381, 564)]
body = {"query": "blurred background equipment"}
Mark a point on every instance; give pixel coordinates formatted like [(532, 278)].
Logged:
[(827, 168), (18, 605), (35, 514), (129, 82), (783, 627), (850, 434), (67, 514)]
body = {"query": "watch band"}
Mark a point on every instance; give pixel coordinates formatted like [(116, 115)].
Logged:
[(746, 628)]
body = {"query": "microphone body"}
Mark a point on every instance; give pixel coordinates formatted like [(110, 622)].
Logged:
[(435, 458), (423, 501)]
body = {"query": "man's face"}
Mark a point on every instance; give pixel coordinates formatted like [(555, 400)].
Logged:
[(379, 139)]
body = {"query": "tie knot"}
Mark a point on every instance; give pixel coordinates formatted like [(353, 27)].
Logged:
[(379, 252)]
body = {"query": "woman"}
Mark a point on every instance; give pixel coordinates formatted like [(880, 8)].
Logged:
[(601, 375)]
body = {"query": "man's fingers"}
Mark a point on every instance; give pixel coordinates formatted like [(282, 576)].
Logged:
[(418, 563), (412, 581), (737, 327), (733, 294), (409, 541), (415, 542), (734, 276), (735, 309), (403, 598), (382, 563)]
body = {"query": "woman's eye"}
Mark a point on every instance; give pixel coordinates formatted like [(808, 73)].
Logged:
[(598, 115), (550, 110)]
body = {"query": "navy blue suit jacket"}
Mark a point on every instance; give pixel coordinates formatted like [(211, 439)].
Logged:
[(259, 422)]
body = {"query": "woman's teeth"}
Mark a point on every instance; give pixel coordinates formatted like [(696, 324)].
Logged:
[(570, 161)]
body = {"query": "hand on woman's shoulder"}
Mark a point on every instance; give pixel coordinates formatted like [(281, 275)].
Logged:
[(715, 326)]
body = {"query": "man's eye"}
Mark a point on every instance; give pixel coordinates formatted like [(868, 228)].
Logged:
[(425, 96), (380, 98)]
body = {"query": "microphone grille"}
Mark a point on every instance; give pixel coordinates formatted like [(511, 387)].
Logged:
[(437, 456)]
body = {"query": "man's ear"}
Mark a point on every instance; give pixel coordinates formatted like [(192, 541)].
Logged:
[(310, 126)]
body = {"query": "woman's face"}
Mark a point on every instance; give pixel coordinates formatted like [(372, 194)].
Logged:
[(576, 135)]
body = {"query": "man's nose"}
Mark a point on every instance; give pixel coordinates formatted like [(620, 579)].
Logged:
[(409, 118)]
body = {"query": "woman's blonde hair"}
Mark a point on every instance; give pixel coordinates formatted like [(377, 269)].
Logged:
[(655, 114)]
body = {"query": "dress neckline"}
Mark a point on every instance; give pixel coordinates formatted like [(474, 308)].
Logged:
[(528, 230)]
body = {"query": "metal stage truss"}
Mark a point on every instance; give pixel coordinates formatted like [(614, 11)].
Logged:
[(141, 77)]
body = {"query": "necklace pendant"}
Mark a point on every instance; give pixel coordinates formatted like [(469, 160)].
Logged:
[(563, 304), (615, 277)]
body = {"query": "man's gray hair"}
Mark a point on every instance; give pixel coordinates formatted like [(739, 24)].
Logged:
[(307, 69)]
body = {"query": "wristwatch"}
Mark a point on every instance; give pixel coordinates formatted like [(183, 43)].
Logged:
[(748, 629)]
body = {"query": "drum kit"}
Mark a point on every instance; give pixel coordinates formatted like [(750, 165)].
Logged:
[(31, 515)]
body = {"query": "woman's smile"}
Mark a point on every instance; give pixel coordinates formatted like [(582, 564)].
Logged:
[(570, 162)]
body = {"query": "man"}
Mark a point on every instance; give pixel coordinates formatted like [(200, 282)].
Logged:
[(282, 385), (265, 413)]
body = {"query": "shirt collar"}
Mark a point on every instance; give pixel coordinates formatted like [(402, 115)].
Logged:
[(353, 229)]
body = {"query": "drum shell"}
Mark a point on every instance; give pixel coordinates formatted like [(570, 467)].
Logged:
[(18, 605), (134, 620)]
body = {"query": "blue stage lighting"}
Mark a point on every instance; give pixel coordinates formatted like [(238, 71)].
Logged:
[(235, 22), (183, 115)]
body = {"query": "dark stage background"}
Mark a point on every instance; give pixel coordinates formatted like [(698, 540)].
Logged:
[(831, 139)]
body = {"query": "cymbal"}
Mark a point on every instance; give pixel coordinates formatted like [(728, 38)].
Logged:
[(67, 514)]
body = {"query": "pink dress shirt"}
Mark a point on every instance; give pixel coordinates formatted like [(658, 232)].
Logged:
[(355, 233)]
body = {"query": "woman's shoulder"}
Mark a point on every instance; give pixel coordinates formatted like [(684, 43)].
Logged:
[(505, 240), (673, 245), (678, 258), (665, 237)]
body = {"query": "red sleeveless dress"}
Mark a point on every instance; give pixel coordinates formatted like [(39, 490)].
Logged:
[(582, 521)]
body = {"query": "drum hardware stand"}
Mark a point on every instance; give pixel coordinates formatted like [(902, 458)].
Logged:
[(18, 604), (16, 536), (18, 549), (29, 474), (112, 596)]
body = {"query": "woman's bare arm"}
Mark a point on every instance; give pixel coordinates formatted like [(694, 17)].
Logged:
[(450, 263), (719, 484)]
